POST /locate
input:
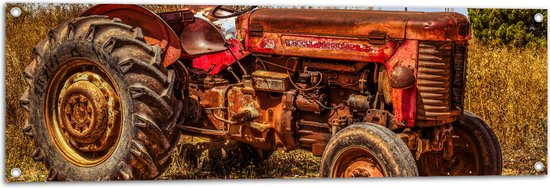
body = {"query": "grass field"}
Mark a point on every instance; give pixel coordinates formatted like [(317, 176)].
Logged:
[(506, 86)]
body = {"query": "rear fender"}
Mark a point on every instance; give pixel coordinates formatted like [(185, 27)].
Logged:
[(155, 30)]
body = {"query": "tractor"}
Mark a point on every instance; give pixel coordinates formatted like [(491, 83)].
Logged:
[(373, 93)]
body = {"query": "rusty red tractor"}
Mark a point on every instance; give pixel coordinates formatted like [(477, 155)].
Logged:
[(374, 93)]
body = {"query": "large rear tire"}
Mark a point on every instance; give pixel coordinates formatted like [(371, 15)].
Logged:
[(476, 151), (100, 102), (367, 150)]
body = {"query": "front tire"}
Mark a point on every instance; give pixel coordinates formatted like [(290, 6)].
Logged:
[(101, 105), (476, 151), (367, 150)]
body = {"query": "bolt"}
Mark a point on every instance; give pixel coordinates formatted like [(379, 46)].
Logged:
[(539, 166), (15, 172), (15, 12), (539, 17)]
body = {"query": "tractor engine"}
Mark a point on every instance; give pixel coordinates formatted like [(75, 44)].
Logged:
[(298, 102)]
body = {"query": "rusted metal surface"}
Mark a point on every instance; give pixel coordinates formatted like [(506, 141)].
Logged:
[(379, 117), (270, 81), (320, 47), (155, 30), (178, 20), (214, 103), (384, 85), (201, 37), (83, 113), (402, 77), (314, 140), (340, 118), (441, 141), (310, 103), (345, 34), (435, 26), (434, 82), (357, 162), (335, 67), (404, 100), (460, 61), (359, 102), (314, 132), (240, 100)]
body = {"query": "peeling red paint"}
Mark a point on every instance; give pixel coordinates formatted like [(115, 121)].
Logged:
[(352, 49), (330, 45), (220, 60), (404, 100)]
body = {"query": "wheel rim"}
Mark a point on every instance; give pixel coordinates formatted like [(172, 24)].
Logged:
[(465, 158), (83, 112), (357, 162)]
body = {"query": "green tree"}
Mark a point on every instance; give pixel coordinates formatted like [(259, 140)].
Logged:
[(509, 26)]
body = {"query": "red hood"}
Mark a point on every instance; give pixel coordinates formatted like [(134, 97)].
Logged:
[(435, 26)]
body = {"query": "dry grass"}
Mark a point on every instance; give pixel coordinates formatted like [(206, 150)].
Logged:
[(506, 86), (22, 34)]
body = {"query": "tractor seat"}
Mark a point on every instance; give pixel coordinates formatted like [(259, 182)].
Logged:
[(201, 37)]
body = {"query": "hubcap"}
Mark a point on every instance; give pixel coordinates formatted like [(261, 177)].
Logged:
[(83, 112), (356, 162)]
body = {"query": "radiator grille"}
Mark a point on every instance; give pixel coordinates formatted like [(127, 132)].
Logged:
[(459, 76), (434, 81)]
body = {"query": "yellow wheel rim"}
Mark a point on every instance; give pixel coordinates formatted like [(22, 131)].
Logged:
[(83, 112)]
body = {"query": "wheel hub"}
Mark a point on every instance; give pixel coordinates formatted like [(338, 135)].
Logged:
[(357, 162), (363, 167), (83, 113), (86, 106)]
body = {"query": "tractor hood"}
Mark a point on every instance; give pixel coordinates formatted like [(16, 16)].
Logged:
[(433, 26)]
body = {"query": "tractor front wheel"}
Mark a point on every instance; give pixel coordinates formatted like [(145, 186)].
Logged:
[(367, 150)]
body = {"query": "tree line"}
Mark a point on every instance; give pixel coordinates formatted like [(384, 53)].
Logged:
[(516, 27)]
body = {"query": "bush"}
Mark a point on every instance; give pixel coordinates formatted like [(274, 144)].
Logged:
[(515, 27)]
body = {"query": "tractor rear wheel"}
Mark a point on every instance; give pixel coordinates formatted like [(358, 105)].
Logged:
[(476, 151), (100, 102), (367, 150)]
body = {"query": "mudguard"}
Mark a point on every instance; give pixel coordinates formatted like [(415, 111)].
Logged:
[(155, 30)]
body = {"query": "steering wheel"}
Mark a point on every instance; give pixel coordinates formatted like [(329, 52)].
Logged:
[(229, 11)]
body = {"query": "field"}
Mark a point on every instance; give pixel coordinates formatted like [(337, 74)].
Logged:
[(505, 86)]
